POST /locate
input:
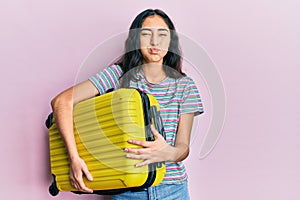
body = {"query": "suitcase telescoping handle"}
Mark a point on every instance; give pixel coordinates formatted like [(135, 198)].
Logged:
[(157, 121)]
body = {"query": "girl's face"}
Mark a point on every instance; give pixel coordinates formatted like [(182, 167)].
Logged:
[(154, 39)]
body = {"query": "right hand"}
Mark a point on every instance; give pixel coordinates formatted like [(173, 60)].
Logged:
[(78, 168)]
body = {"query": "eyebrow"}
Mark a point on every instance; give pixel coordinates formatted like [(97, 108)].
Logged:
[(163, 29), (159, 29)]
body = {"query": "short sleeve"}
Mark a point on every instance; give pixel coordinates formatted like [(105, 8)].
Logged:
[(107, 78), (191, 101)]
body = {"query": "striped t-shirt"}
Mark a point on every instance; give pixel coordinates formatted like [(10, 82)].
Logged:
[(175, 96)]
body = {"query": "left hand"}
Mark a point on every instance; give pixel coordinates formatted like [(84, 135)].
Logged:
[(153, 151)]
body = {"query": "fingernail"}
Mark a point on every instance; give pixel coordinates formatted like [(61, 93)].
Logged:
[(130, 141), (126, 150)]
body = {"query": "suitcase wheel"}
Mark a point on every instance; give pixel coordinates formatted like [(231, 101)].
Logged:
[(53, 190), (48, 122)]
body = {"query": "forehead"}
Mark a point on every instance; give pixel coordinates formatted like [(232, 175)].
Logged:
[(154, 21)]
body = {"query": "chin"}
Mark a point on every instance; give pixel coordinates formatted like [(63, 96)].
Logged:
[(155, 59)]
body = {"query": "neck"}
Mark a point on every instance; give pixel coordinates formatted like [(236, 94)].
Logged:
[(154, 72)]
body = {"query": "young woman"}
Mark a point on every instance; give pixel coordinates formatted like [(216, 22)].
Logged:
[(151, 63)]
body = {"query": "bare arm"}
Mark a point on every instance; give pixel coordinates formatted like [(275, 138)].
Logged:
[(182, 144), (62, 106), (159, 150)]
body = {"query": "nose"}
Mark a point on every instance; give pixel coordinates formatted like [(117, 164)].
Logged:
[(154, 39)]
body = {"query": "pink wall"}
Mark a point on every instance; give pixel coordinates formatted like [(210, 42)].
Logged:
[(255, 45)]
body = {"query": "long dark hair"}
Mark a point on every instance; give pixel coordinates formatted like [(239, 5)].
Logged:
[(133, 57)]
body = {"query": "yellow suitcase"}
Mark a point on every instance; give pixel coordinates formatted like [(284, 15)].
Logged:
[(102, 127)]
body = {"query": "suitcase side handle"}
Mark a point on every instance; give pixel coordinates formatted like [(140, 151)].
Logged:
[(157, 120)]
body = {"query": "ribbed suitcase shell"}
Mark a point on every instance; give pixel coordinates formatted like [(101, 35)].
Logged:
[(102, 127)]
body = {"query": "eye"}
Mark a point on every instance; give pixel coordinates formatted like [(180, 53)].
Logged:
[(163, 34), (144, 33)]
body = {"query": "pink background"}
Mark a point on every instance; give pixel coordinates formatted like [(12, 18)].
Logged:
[(255, 45)]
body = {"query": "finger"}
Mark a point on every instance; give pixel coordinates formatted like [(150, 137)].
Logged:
[(141, 164), (139, 142), (75, 185), (86, 189), (82, 186), (137, 157), (153, 129), (155, 132), (77, 182), (137, 151), (74, 181), (87, 173)]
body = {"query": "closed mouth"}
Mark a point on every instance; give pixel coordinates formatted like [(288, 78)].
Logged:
[(155, 50)]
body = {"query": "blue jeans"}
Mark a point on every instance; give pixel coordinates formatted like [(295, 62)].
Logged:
[(160, 192)]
